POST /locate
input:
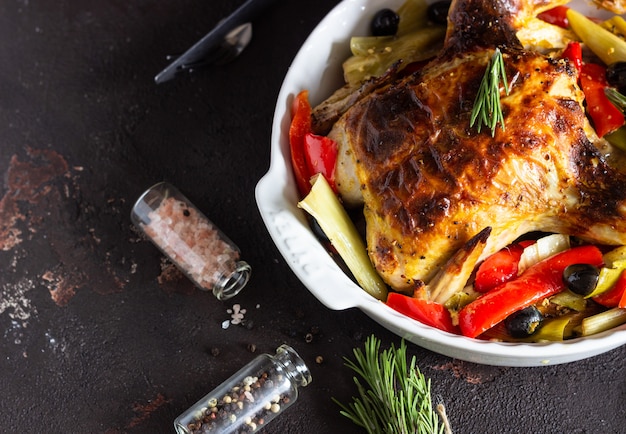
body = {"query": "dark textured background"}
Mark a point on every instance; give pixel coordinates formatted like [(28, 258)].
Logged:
[(96, 334)]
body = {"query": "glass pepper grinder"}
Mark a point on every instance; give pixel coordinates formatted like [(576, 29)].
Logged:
[(251, 398), (191, 241)]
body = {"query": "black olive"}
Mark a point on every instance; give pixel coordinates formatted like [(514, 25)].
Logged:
[(524, 323), (438, 12), (581, 279), (616, 75), (385, 23), (317, 229)]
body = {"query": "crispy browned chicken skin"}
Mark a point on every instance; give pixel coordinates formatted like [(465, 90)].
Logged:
[(615, 6), (429, 182)]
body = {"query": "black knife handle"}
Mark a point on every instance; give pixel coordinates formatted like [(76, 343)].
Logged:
[(245, 13)]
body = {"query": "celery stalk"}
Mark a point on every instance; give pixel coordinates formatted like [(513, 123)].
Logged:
[(603, 321), (378, 54), (413, 15), (414, 41), (324, 206), (609, 47)]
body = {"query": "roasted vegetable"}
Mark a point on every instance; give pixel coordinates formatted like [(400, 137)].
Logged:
[(612, 297), (617, 138), (569, 300), (614, 265), (425, 311), (363, 46), (573, 52), (536, 283), (609, 47), (378, 54), (413, 16), (616, 25), (324, 206), (414, 41), (602, 321), (554, 329), (299, 128), (542, 249), (498, 268), (605, 115), (556, 15)]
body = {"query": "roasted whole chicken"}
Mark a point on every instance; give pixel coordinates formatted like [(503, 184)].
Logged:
[(438, 195)]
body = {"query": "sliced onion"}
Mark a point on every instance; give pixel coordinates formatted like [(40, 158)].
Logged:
[(543, 249)]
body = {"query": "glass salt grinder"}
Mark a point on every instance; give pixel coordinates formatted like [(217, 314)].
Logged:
[(251, 398), (191, 241)]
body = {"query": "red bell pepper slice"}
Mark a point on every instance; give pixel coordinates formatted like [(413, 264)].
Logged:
[(612, 297), (299, 128), (321, 156), (498, 268), (605, 116), (428, 312), (536, 283), (622, 302), (557, 16), (574, 53)]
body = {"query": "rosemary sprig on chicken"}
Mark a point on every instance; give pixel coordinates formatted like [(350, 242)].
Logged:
[(487, 109)]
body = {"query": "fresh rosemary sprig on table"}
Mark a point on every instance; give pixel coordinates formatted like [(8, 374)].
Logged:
[(395, 397), (487, 109)]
